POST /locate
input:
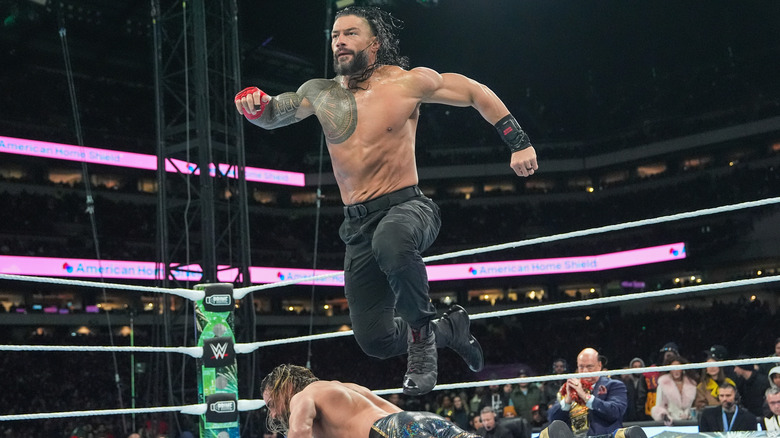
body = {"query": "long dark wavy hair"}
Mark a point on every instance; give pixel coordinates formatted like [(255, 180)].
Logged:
[(385, 28), (691, 374)]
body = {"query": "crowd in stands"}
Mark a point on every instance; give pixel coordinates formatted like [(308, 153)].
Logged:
[(514, 347)]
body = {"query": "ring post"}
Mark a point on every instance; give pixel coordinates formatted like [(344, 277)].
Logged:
[(218, 371)]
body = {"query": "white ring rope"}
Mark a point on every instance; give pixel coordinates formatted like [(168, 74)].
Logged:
[(193, 295), (246, 348), (629, 297), (199, 409), (699, 365), (607, 228), (197, 352), (238, 293), (250, 405), (241, 292)]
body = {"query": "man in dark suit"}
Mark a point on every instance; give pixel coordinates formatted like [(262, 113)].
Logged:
[(490, 427), (593, 406), (728, 416)]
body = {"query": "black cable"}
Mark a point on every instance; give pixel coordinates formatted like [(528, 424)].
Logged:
[(168, 325), (318, 214), (248, 315), (90, 203)]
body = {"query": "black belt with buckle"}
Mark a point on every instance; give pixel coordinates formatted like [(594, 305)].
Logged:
[(380, 203)]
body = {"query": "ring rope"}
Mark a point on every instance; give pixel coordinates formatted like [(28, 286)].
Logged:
[(249, 405), (196, 352), (698, 365), (250, 347), (607, 228), (193, 295), (198, 409), (241, 292), (630, 297), (238, 293), (246, 348)]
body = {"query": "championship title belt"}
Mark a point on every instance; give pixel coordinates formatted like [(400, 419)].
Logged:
[(579, 411), (579, 418)]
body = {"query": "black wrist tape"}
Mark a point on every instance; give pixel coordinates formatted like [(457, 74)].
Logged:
[(512, 134)]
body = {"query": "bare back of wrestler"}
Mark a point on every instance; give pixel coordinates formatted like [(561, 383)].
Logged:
[(370, 129), (331, 409)]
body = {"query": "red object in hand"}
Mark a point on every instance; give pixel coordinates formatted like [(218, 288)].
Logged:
[(586, 386), (251, 90)]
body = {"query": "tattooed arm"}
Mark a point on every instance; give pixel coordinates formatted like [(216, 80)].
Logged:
[(281, 110), (272, 112)]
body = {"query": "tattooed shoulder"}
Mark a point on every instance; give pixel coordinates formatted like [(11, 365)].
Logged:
[(334, 106)]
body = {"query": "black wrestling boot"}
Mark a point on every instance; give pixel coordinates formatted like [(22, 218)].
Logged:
[(630, 432), (453, 330), (422, 366), (557, 429)]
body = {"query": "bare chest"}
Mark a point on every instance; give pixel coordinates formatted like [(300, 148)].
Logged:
[(371, 113)]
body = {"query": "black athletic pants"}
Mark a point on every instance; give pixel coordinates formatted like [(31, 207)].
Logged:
[(384, 272)]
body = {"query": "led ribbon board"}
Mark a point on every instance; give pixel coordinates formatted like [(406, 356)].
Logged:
[(118, 269), (110, 157)]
